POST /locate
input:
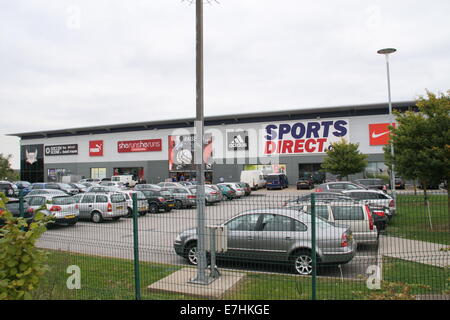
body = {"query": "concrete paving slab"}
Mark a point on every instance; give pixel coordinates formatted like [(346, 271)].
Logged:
[(178, 282)]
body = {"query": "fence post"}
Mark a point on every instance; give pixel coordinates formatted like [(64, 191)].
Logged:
[(313, 247), (21, 212), (137, 276)]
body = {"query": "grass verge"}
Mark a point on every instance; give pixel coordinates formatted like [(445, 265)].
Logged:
[(113, 279)]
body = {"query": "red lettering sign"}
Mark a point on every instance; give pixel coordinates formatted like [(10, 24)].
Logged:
[(96, 148), (139, 145)]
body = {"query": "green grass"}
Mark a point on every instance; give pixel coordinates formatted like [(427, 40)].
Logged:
[(113, 279), (423, 279), (412, 219)]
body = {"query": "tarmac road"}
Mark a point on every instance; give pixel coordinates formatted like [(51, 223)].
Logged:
[(158, 231)]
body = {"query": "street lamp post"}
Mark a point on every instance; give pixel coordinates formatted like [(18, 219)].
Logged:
[(387, 52)]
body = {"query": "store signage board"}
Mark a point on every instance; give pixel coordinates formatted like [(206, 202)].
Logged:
[(61, 150), (139, 145)]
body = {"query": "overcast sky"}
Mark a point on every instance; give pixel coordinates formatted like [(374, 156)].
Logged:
[(78, 63)]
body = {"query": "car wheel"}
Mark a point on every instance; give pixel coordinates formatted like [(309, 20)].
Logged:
[(302, 262), (153, 208), (142, 213), (96, 217), (129, 213), (167, 210), (191, 253), (178, 204)]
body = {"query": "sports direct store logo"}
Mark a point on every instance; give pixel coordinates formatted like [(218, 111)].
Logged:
[(379, 134)]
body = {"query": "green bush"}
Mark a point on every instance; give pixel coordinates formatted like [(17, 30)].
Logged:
[(21, 264)]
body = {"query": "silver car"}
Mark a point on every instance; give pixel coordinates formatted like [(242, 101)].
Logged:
[(277, 235), (373, 197), (184, 197), (100, 206), (211, 196), (45, 192), (62, 207), (345, 212), (142, 204)]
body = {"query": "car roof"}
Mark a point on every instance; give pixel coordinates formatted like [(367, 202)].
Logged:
[(363, 190), (50, 196)]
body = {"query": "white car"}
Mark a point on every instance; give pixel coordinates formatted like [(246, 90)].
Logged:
[(373, 197), (142, 203), (254, 178), (240, 192)]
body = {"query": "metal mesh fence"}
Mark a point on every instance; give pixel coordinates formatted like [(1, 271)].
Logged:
[(366, 248)]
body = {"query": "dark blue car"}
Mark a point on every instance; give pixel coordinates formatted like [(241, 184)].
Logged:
[(276, 181)]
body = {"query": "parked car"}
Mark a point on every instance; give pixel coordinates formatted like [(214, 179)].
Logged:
[(374, 197), (276, 181), (184, 197), (227, 192), (278, 236), (8, 188), (357, 215), (126, 180), (169, 185), (319, 196), (240, 192), (146, 186), (37, 192), (246, 187), (24, 186), (399, 183), (54, 185), (142, 204), (254, 178), (13, 206), (116, 184), (96, 181), (62, 207), (98, 207), (338, 186), (79, 186), (211, 196), (159, 200), (305, 182), (375, 184), (104, 189)]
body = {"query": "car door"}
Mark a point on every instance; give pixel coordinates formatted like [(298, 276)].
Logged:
[(276, 235), (86, 205), (241, 236)]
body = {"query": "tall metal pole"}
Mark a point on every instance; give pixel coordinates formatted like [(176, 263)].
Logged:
[(201, 253), (391, 119), (387, 52)]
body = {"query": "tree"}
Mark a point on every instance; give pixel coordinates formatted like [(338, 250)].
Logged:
[(6, 172), (421, 141), (344, 159)]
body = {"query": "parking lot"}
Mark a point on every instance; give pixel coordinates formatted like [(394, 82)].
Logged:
[(158, 231)]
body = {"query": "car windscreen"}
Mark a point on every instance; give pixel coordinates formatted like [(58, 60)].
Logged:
[(272, 178), (65, 186), (51, 186), (63, 200)]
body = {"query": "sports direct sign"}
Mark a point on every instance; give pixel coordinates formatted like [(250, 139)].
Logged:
[(304, 137), (139, 145)]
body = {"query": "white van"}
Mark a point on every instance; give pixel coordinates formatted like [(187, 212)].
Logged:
[(254, 178), (124, 179)]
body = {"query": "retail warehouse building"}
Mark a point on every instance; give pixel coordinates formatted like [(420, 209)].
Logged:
[(292, 141)]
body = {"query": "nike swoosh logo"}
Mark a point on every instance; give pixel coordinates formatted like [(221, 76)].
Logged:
[(377, 135)]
